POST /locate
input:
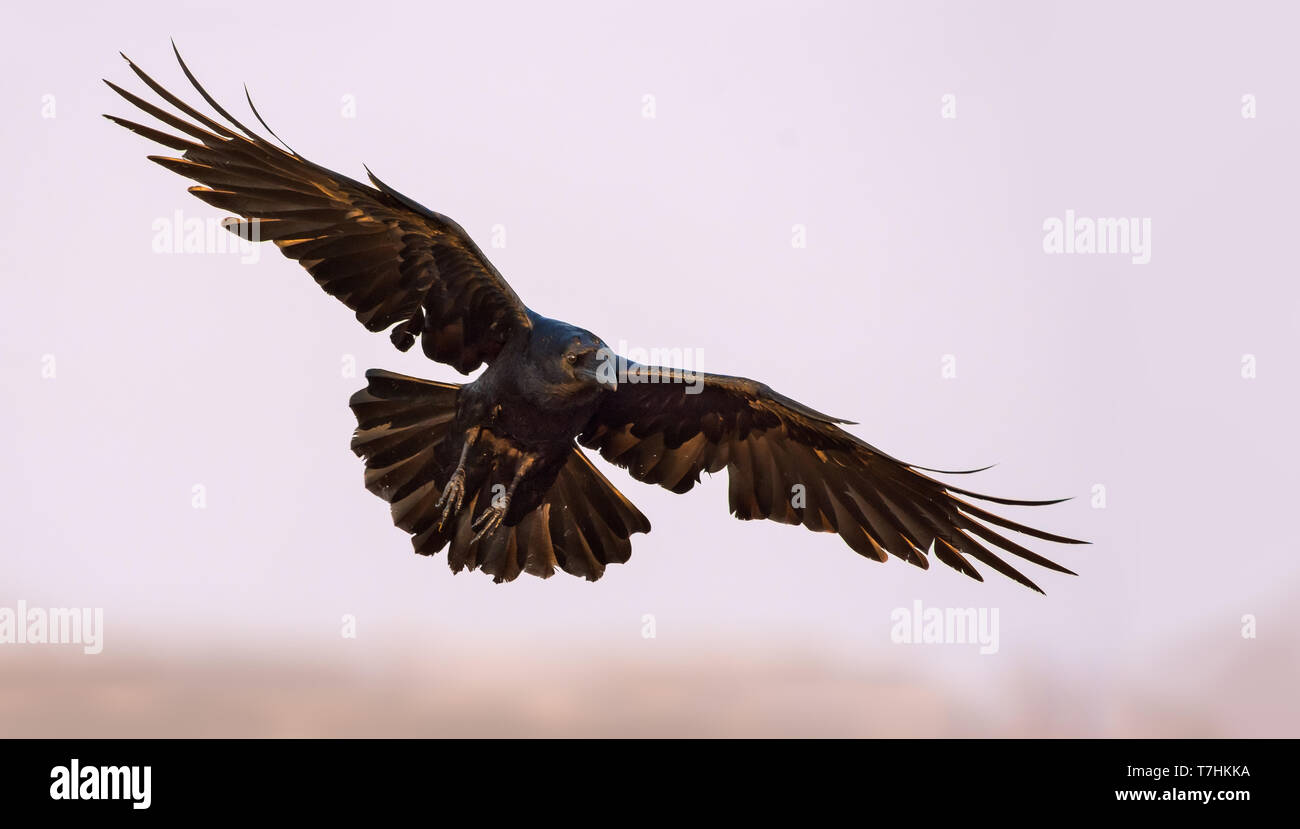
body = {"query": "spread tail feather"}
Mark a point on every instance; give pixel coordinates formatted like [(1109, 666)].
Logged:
[(582, 525)]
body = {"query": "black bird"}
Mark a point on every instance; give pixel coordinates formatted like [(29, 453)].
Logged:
[(493, 468)]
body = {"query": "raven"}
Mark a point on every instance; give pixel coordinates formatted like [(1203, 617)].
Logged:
[(493, 468)]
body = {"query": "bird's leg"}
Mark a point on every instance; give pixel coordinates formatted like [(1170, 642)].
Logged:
[(489, 519), (454, 492)]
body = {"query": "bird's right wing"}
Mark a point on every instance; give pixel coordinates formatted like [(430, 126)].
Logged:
[(390, 260), (789, 463)]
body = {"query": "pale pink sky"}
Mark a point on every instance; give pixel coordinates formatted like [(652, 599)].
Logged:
[(924, 239)]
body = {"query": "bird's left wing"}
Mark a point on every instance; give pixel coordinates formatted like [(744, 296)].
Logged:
[(789, 463), (392, 261)]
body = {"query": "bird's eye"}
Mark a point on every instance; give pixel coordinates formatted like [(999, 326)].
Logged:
[(572, 358)]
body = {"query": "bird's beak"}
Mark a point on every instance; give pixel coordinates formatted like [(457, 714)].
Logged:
[(604, 379)]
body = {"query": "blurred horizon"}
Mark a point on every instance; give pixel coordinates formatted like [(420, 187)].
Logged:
[(591, 686)]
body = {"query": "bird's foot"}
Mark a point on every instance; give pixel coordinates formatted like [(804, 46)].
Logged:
[(489, 519), (452, 494)]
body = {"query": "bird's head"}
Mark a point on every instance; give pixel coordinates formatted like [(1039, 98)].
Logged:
[(574, 361)]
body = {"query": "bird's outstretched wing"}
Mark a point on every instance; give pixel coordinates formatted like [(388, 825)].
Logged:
[(788, 463), (392, 261)]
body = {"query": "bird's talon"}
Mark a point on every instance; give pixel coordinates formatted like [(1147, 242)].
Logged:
[(451, 497), (489, 520)]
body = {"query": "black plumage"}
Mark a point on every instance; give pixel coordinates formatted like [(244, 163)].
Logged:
[(492, 469)]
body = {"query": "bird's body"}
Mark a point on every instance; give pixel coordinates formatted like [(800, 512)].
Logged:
[(524, 411), (541, 399), (492, 470)]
